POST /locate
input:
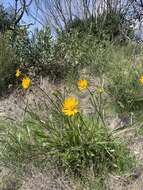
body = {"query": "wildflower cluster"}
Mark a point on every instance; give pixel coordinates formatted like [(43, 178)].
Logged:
[(70, 105), (25, 79)]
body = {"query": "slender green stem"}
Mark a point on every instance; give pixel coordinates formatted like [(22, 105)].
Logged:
[(96, 107), (82, 120), (51, 100)]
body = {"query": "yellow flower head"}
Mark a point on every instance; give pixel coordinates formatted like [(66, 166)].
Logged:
[(70, 106), (100, 90), (26, 82), (141, 79), (82, 84), (18, 73)]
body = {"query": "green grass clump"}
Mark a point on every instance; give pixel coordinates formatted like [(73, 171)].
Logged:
[(75, 143), (79, 148), (75, 147)]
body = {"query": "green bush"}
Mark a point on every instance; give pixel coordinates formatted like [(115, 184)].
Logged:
[(34, 52), (23, 48), (42, 50), (5, 19), (8, 63), (111, 26), (72, 52), (124, 86)]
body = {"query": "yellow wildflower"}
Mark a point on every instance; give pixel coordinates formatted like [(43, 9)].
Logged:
[(70, 106), (141, 79), (26, 82), (100, 90), (82, 84), (18, 73)]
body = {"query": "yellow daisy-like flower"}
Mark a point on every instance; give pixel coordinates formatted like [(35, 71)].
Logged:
[(70, 106), (18, 73), (26, 82), (82, 84), (100, 90), (141, 79)]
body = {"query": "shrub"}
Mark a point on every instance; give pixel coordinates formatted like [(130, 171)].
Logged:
[(42, 49), (107, 26), (34, 52), (23, 48), (124, 85), (8, 63), (5, 19), (72, 52)]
